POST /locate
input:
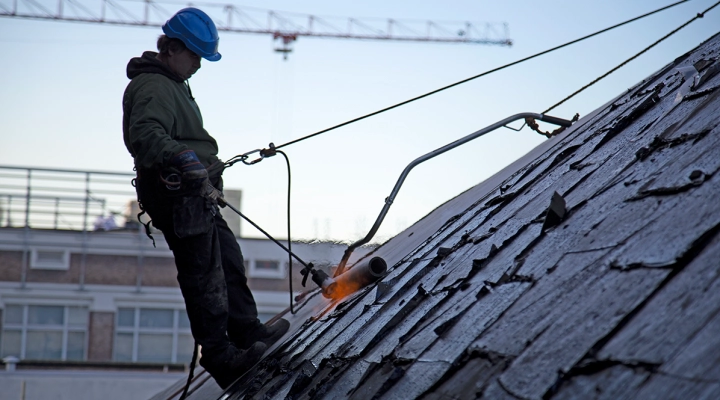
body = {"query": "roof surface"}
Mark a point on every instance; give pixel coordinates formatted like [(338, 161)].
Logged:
[(587, 269)]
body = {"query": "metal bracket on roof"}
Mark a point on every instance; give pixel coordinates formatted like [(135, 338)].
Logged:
[(534, 126)]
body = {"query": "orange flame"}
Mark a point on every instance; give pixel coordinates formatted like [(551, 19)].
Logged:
[(344, 288)]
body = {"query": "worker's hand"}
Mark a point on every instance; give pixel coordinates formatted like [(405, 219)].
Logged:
[(214, 195), (194, 176)]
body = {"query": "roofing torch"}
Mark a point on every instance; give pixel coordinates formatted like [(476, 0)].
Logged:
[(318, 276), (332, 288)]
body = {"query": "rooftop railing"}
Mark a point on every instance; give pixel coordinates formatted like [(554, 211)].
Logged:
[(44, 198)]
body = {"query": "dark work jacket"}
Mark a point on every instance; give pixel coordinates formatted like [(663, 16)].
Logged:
[(161, 118)]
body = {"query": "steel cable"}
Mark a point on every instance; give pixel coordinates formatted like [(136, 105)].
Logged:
[(674, 31), (482, 74)]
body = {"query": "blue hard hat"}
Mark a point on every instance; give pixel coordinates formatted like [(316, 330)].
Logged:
[(197, 30)]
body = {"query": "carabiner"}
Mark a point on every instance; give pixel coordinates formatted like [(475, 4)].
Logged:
[(245, 157)]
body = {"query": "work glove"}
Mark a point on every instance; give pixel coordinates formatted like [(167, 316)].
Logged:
[(214, 195), (193, 175)]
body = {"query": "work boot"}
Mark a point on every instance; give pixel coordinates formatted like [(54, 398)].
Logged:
[(232, 363), (262, 333)]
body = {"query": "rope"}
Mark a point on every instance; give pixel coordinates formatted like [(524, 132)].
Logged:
[(191, 373), (698, 16), (290, 275), (481, 75)]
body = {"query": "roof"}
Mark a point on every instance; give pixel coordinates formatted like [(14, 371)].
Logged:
[(588, 268)]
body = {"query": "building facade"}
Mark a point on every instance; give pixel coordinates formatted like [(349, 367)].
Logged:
[(101, 292)]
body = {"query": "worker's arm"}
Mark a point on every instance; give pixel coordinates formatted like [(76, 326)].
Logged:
[(151, 124)]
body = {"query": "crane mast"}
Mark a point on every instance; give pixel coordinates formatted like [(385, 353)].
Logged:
[(284, 27)]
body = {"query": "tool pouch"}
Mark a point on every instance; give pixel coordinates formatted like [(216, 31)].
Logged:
[(192, 216)]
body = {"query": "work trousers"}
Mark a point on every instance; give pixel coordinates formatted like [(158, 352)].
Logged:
[(209, 262)]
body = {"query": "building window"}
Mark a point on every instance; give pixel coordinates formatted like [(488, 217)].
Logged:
[(39, 332), (267, 269), (50, 259), (153, 335)]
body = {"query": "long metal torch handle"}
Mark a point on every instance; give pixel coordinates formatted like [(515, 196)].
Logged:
[(389, 200)]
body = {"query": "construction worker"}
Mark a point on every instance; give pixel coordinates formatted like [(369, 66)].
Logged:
[(177, 166)]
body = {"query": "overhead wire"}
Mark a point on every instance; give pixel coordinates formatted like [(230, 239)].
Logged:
[(245, 156), (622, 64), (482, 74)]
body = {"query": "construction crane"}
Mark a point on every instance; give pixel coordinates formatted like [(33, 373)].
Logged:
[(285, 27)]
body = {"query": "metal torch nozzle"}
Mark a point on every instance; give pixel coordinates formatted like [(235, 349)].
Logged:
[(352, 279), (324, 281)]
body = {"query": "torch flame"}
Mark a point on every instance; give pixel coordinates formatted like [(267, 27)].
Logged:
[(343, 288)]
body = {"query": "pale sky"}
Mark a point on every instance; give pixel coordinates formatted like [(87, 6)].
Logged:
[(62, 85)]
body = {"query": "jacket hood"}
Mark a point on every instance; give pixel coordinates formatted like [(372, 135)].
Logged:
[(147, 63)]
